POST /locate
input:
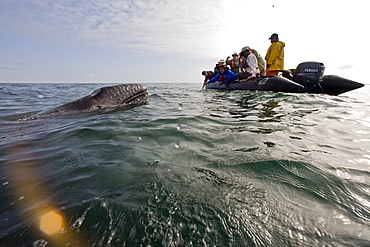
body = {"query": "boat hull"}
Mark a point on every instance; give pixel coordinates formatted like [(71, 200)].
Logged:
[(330, 84), (266, 83)]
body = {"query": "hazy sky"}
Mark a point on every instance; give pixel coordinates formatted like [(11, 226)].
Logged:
[(172, 40)]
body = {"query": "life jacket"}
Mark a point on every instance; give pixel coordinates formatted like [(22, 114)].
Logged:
[(235, 63), (243, 63), (209, 75)]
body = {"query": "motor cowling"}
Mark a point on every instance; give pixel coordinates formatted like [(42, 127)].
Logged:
[(309, 74)]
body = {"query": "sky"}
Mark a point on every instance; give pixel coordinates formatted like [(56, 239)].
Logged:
[(143, 41)]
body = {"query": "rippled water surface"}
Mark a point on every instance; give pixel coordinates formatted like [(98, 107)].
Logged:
[(190, 168)]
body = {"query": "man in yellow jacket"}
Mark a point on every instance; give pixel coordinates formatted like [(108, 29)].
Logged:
[(275, 56)]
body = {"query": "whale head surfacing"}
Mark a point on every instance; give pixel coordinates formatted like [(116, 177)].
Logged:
[(100, 101)]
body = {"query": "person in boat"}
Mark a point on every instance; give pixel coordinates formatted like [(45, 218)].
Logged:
[(208, 75), (234, 63), (216, 70), (250, 65), (275, 56), (261, 61), (222, 62), (243, 65), (225, 75)]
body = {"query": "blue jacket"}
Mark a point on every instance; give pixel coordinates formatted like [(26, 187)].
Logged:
[(225, 77)]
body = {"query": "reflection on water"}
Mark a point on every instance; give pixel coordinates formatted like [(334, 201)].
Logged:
[(267, 112)]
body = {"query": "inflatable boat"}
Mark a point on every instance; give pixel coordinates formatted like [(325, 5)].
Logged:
[(307, 78)]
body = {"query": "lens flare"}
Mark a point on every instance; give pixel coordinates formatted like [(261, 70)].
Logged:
[(51, 223)]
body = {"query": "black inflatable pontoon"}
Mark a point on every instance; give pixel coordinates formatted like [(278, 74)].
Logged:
[(307, 78)]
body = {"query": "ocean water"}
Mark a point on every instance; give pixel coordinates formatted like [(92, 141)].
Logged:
[(190, 168)]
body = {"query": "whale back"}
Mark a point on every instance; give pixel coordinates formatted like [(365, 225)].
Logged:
[(103, 99)]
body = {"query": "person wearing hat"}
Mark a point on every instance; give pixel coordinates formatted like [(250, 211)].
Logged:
[(275, 56), (234, 63), (251, 62), (261, 61), (221, 62), (216, 70)]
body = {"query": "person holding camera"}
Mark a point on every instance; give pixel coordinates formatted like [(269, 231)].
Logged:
[(249, 64)]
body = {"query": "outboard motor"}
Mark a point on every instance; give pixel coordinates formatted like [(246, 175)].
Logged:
[(309, 74)]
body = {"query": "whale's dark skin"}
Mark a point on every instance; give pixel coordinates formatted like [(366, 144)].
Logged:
[(101, 100)]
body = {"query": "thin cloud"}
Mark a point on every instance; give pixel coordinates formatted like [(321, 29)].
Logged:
[(346, 66), (12, 66), (153, 25)]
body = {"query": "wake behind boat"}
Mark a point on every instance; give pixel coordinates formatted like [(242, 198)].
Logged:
[(307, 78)]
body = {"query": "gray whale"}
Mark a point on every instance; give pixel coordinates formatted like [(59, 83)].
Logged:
[(102, 100)]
